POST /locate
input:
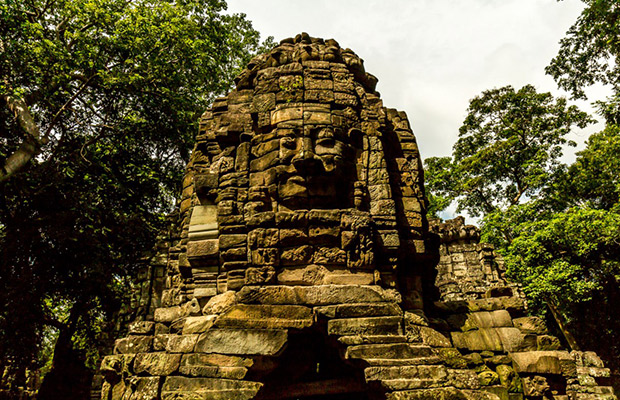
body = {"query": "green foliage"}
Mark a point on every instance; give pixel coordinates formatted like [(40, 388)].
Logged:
[(589, 52), (509, 145), (116, 88), (568, 256), (594, 179), (564, 247), (438, 181)]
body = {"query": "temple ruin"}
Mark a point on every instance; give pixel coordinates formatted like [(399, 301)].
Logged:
[(304, 266)]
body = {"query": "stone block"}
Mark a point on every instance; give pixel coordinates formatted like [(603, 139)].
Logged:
[(133, 344), (512, 338), (317, 295), (355, 340), (365, 326), (285, 113), (168, 314), (432, 337), (431, 373), (303, 275), (587, 359), (214, 366), (497, 390), (117, 365), (533, 325), (181, 343), (483, 339), (359, 310), (389, 351), (491, 339), (202, 292), (198, 324), (480, 319), (263, 237), (157, 363), (543, 362), (462, 379), (266, 316), (548, 342), (452, 358), (207, 248), (329, 256), (217, 360), (142, 388), (242, 341), (232, 240), (511, 304), (180, 387), (141, 327), (213, 372), (440, 394), (535, 386), (509, 378), (349, 278), (596, 372), (220, 303)]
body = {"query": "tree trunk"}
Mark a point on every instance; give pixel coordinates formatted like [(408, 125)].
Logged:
[(69, 378)]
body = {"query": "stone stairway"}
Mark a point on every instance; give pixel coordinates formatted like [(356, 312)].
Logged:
[(229, 350)]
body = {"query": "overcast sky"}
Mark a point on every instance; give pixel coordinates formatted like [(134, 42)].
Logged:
[(432, 56)]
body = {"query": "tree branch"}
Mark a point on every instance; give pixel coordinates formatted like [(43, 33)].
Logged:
[(32, 143), (67, 104)]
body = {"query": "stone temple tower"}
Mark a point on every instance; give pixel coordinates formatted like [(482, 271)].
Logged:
[(305, 267)]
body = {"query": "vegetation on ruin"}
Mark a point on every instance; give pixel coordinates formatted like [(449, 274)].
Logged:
[(100, 101)]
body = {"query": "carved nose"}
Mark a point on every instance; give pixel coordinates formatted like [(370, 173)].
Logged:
[(305, 158)]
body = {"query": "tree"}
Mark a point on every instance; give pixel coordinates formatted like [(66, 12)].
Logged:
[(589, 52), (509, 146), (569, 256), (439, 184), (100, 104)]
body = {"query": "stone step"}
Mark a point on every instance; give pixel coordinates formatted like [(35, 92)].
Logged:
[(359, 310), (447, 393), (212, 371), (389, 351), (228, 394), (365, 326), (403, 361), (408, 384), (369, 339), (180, 387), (433, 373)]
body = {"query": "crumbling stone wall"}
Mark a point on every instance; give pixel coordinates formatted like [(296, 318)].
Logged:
[(304, 251), (468, 269)]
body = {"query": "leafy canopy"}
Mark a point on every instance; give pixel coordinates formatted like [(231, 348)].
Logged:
[(589, 52), (509, 145), (99, 105)]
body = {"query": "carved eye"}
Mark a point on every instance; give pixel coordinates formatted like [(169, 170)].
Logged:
[(288, 142)]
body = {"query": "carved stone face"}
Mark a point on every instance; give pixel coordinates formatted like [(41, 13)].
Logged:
[(316, 167)]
